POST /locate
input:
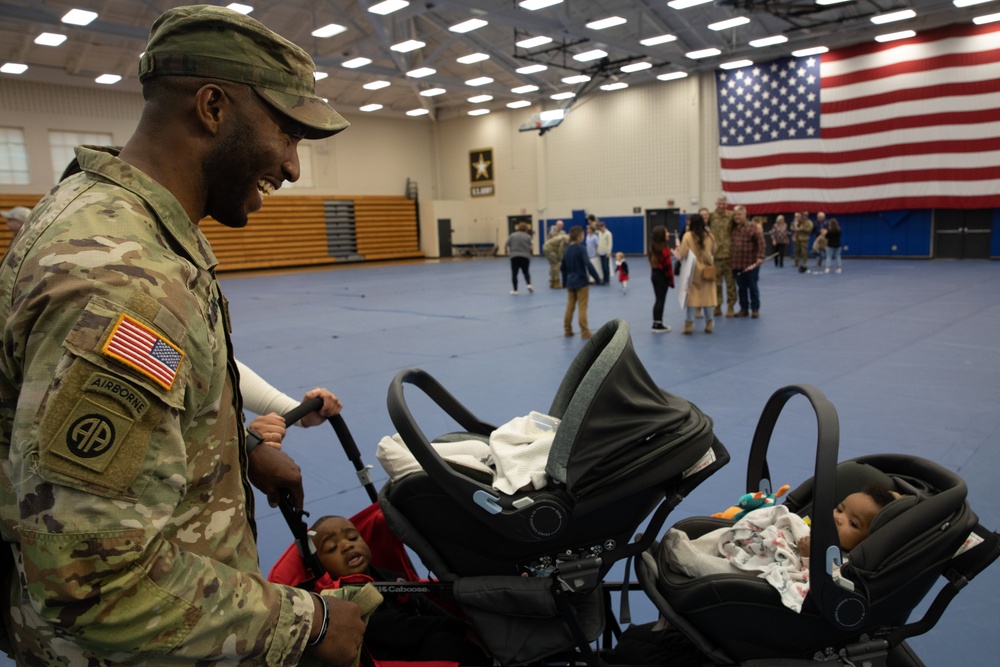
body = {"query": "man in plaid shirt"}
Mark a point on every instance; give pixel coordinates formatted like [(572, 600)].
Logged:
[(746, 256)]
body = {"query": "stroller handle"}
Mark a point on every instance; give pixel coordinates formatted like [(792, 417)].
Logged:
[(841, 607)]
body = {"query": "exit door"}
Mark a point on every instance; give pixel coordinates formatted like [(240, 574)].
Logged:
[(962, 234), (668, 217)]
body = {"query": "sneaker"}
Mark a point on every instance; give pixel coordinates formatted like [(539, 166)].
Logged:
[(839, 270), (660, 328), (755, 314), (530, 289), (826, 270), (514, 291)]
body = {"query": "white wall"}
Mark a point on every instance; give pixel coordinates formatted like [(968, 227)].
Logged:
[(639, 147)]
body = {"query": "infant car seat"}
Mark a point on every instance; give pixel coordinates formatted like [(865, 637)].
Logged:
[(859, 615), (624, 449)]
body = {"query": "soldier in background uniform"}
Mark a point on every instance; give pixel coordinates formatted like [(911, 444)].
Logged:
[(554, 249), (127, 516), (721, 224)]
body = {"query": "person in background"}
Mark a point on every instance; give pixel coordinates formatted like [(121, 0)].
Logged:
[(555, 230), (721, 224), (575, 268), (747, 256), (621, 268), (126, 493), (662, 265), (16, 217), (701, 292), (591, 245), (553, 250), (604, 246), (519, 248), (803, 232), (833, 246), (779, 239)]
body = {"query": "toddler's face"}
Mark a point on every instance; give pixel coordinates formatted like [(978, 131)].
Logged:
[(854, 518), (340, 547)]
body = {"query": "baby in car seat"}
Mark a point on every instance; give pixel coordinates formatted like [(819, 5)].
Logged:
[(406, 626), (773, 542)]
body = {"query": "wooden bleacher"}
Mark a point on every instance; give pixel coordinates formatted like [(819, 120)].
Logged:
[(308, 230)]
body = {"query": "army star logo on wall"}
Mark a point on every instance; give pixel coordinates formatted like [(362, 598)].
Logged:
[(481, 172)]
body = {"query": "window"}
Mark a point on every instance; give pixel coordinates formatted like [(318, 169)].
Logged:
[(305, 169), (13, 157), (61, 145)]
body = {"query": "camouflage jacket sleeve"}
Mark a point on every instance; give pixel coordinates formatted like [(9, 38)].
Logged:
[(124, 480)]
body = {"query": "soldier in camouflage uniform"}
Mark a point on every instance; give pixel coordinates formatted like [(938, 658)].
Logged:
[(721, 222), (127, 517), (553, 250)]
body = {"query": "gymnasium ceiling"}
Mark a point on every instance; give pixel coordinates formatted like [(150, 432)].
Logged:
[(111, 43)]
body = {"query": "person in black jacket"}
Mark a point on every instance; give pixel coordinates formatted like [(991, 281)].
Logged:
[(406, 626)]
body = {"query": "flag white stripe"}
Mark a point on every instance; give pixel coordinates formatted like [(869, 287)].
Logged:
[(910, 52), (854, 194), (897, 110), (919, 80), (860, 168)]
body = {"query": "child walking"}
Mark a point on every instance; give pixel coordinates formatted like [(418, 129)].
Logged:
[(621, 268), (576, 267)]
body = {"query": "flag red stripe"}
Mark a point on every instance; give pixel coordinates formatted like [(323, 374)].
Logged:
[(909, 176), (913, 94), (868, 205), (950, 32), (861, 155), (930, 120), (135, 344), (144, 362), (912, 67)]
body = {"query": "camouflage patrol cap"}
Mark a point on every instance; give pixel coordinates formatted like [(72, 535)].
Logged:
[(219, 43)]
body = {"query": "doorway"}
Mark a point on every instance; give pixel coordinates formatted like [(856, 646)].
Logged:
[(444, 237), (962, 233), (668, 217)]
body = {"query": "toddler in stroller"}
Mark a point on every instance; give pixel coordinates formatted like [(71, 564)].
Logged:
[(859, 602)]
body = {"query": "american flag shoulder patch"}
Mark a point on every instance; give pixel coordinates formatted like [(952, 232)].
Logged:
[(144, 350)]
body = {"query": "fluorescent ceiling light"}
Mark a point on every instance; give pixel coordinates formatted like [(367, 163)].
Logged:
[(814, 51), (684, 4), (388, 7), (319, 76), (968, 3), (519, 104), (704, 53), (240, 9), (13, 68), (988, 18), (468, 26), (670, 76), (370, 107), (108, 79), (479, 81), (431, 92), (552, 114), (734, 64), (533, 5), (729, 23), (831, 2), (420, 72), (659, 39), (563, 96), (417, 112), (636, 67), (407, 46), (50, 39), (521, 90), (901, 15), (531, 69), (355, 63), (768, 41), (329, 30), (532, 42), (79, 17), (479, 112), (479, 99), (618, 85), (577, 78), (473, 58), (893, 36), (375, 85), (609, 22), (593, 54)]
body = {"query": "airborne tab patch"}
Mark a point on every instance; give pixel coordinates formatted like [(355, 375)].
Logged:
[(144, 350)]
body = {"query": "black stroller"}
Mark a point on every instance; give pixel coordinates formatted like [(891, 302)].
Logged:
[(528, 568), (854, 618)]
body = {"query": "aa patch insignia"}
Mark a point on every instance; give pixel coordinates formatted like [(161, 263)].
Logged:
[(144, 350)]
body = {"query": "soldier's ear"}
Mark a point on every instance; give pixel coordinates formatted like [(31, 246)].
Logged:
[(212, 107)]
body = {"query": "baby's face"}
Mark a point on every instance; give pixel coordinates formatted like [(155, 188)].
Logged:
[(854, 518), (340, 547)]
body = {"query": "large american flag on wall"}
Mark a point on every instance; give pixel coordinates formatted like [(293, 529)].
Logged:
[(901, 125)]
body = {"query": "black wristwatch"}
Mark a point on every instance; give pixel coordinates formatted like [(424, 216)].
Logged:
[(253, 439)]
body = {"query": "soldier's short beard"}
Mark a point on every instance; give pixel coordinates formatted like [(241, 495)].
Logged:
[(231, 172)]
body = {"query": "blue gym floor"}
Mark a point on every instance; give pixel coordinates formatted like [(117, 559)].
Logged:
[(908, 351)]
